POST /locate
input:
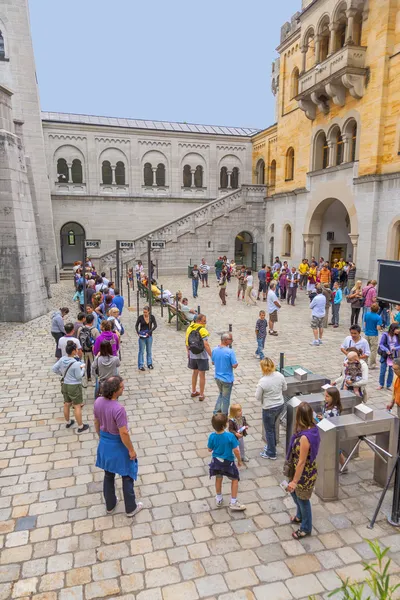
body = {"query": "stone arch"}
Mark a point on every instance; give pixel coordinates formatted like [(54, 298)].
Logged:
[(153, 159), (393, 243), (320, 158), (69, 153), (260, 171), (323, 33), (193, 160), (287, 240), (318, 207), (294, 83), (113, 155), (4, 54), (72, 235)]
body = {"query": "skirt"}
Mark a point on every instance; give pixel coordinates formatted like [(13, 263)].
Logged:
[(219, 467), (113, 456)]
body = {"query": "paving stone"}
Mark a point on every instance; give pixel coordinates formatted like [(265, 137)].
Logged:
[(5, 591), (25, 587), (132, 583), (198, 550), (298, 585), (101, 589), (301, 565), (78, 577), (193, 569), (181, 591), (17, 538), (34, 568), (352, 572), (113, 551), (237, 560), (141, 546), (9, 573), (25, 523), (154, 594), (132, 564), (155, 560), (72, 593), (241, 578), (161, 577), (60, 563), (213, 584), (106, 570), (274, 571), (277, 591), (53, 581), (18, 554)]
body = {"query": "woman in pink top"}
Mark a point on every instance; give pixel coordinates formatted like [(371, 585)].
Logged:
[(108, 336)]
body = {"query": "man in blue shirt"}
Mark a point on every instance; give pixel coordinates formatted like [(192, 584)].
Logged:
[(262, 283), (224, 360), (118, 301), (372, 326), (337, 298)]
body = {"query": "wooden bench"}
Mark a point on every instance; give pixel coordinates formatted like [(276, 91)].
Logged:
[(144, 292), (182, 320)]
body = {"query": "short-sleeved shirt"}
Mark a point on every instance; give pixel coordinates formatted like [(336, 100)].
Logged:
[(397, 317), (204, 334), (372, 321), (261, 327), (271, 299), (362, 344), (62, 343), (110, 414), (318, 305), (222, 445), (262, 275), (224, 358)]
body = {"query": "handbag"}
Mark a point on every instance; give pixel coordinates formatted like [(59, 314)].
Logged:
[(63, 377), (288, 467)]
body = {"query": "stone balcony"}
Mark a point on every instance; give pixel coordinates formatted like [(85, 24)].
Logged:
[(329, 80), (70, 188)]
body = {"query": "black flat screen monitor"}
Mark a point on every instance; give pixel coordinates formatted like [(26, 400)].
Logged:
[(389, 281)]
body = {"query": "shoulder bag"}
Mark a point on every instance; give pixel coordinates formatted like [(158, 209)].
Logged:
[(63, 377)]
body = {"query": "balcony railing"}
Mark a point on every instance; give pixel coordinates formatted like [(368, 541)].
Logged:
[(344, 70), (70, 188)]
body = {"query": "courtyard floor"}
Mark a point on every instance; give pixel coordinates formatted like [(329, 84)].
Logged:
[(57, 543)]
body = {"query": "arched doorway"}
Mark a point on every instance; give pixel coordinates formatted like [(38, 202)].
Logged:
[(393, 248), (260, 169), (246, 250), (72, 235), (331, 231)]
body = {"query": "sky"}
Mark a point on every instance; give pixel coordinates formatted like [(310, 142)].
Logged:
[(205, 62)]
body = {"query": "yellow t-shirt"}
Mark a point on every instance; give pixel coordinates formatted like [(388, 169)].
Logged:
[(341, 264), (203, 331), (303, 268), (312, 274), (155, 290)]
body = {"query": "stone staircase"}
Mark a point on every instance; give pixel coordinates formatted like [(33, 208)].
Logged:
[(206, 231), (66, 273)]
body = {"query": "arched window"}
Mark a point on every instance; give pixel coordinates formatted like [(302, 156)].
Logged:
[(62, 171), (198, 176), (260, 171), (148, 175), (106, 172), (71, 238), (120, 173), (339, 148), (160, 175), (272, 174), (353, 143), (287, 240), (223, 178), (235, 178), (187, 176), (290, 164), (294, 85), (76, 170), (2, 48), (321, 152), (340, 23)]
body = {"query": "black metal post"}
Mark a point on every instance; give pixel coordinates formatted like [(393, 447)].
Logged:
[(198, 310), (121, 277), (137, 300), (230, 331), (281, 362), (157, 267), (149, 273), (162, 301), (129, 290), (117, 278), (394, 518), (56, 274), (177, 309), (110, 274), (84, 274)]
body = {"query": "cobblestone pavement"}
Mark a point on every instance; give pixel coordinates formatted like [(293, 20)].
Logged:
[(57, 541)]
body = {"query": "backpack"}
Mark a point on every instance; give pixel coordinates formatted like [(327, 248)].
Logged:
[(195, 341), (86, 340)]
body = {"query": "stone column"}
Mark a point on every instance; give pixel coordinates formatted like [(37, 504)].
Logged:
[(354, 240), (350, 14), (346, 137), (69, 172), (113, 174), (333, 27), (317, 49), (192, 171), (229, 179), (331, 153), (154, 169), (309, 242), (303, 59)]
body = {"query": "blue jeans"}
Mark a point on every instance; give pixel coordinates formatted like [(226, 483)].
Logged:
[(218, 273), (260, 347), (224, 397), (270, 417), (127, 488), (384, 314), (303, 513), (382, 374), (195, 285), (145, 343)]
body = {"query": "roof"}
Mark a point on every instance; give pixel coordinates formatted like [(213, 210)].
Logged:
[(145, 124)]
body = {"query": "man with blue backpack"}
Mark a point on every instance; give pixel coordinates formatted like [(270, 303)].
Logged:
[(87, 335)]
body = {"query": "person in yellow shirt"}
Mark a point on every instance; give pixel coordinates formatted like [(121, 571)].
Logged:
[(303, 270), (312, 278), (341, 264), (198, 358), (325, 274)]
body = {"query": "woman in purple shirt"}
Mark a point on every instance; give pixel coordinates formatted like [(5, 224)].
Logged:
[(115, 452)]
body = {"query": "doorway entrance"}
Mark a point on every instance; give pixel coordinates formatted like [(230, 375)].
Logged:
[(246, 250), (336, 253), (72, 235)]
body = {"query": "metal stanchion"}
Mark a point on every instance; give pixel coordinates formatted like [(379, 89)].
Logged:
[(281, 362), (129, 290), (162, 301), (110, 273), (198, 310), (230, 331), (137, 300), (177, 309)]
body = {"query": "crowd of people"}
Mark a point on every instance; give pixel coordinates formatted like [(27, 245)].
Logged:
[(90, 348)]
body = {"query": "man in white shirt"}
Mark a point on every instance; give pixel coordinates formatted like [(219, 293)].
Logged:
[(273, 305), (203, 270), (354, 340), (62, 342), (104, 278), (317, 306)]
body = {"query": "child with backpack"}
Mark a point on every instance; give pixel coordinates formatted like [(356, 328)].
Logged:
[(87, 335), (224, 447)]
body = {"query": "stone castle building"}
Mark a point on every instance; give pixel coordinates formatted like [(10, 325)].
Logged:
[(323, 180)]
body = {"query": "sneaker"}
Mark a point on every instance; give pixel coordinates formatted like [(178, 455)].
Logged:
[(314, 343), (142, 369), (263, 454), (245, 459), (219, 503), (237, 506), (68, 425), (150, 367), (110, 512), (83, 428), (137, 509), (320, 342)]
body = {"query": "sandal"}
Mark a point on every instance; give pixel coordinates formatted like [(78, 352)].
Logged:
[(201, 398), (194, 394), (295, 520), (299, 534)]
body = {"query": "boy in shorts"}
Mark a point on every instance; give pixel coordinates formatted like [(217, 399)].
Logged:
[(224, 446)]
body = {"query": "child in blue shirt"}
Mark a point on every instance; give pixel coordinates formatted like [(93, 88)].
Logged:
[(224, 446)]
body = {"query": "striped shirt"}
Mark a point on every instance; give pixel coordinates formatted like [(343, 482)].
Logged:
[(261, 327)]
